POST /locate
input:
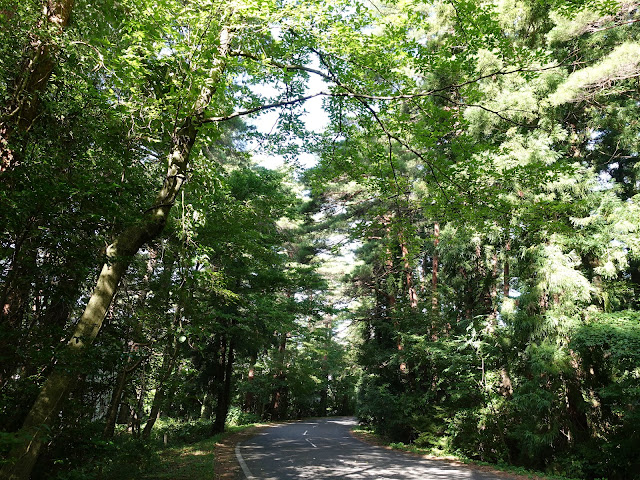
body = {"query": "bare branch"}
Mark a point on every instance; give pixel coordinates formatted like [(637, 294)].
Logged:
[(408, 96), (249, 111)]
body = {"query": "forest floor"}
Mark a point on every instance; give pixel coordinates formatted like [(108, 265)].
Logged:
[(210, 458)]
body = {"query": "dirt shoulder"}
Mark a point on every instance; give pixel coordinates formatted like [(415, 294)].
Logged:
[(226, 465)]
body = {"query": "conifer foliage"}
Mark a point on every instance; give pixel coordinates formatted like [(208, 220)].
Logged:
[(479, 161)]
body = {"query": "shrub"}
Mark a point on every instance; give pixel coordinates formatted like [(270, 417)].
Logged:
[(237, 417), (180, 432)]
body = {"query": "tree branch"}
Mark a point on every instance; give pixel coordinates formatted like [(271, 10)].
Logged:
[(249, 111)]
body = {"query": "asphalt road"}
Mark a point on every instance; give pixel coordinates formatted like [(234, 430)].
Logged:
[(324, 449)]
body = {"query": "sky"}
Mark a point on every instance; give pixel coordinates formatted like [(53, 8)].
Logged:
[(315, 118)]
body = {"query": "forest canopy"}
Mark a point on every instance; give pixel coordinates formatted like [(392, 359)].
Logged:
[(459, 267)]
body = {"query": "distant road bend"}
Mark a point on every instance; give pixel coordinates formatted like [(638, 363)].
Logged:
[(324, 449)]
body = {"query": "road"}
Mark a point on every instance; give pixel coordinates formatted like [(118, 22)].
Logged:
[(324, 449)]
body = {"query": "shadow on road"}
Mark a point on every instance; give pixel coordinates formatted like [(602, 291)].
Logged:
[(324, 449)]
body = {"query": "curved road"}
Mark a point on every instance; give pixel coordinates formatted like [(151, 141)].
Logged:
[(324, 449)]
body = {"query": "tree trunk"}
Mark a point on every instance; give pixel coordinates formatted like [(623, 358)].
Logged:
[(205, 410), (434, 269), (116, 396), (16, 292), (121, 381), (168, 365), (119, 254), (32, 80), (138, 412), (224, 393), (112, 411), (506, 279), (493, 295), (279, 399), (248, 399), (413, 296), (324, 394)]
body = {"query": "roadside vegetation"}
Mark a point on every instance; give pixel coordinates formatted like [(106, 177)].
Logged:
[(450, 250)]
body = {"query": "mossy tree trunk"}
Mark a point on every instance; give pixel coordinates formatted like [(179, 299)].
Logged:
[(119, 254)]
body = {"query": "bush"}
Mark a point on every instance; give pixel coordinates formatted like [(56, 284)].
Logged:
[(179, 432), (237, 417), (81, 454)]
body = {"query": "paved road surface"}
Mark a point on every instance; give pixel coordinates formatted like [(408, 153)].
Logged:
[(324, 449)]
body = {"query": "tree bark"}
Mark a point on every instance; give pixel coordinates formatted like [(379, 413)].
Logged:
[(224, 392), (493, 295), (112, 411), (32, 80), (168, 365), (137, 413), (205, 410), (279, 399), (249, 397), (121, 380), (413, 296), (116, 397), (506, 279), (118, 256), (14, 302), (434, 269)]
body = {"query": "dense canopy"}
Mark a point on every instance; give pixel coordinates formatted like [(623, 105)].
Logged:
[(459, 265)]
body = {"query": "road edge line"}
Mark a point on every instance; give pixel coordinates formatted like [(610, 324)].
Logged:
[(243, 464)]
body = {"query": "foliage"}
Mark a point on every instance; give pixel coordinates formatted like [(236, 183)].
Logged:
[(238, 418), (479, 161), (81, 456), (179, 432)]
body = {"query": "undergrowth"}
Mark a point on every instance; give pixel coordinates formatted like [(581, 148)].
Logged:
[(443, 453)]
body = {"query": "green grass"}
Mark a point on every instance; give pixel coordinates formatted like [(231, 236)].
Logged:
[(189, 462)]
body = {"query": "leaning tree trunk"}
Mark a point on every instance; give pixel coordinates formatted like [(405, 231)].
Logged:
[(119, 254), (130, 366)]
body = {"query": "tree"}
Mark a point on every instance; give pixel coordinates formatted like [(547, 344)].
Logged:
[(480, 119)]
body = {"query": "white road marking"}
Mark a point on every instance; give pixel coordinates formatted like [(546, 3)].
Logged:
[(243, 465), (305, 432), (314, 446)]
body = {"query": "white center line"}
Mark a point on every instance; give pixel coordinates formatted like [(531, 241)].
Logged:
[(305, 432), (314, 446)]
